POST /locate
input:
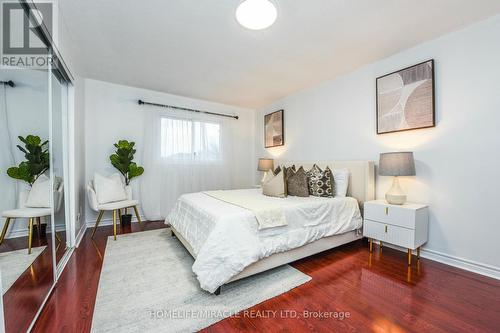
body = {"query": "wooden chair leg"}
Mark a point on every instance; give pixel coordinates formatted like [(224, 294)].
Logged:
[(30, 234), (4, 230), (97, 222), (137, 214), (114, 223)]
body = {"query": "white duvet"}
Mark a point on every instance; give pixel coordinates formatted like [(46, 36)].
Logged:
[(226, 238)]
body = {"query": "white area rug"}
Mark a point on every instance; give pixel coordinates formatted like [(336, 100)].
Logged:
[(147, 285), (14, 263)]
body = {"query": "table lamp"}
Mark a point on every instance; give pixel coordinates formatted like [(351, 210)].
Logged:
[(396, 164), (265, 164)]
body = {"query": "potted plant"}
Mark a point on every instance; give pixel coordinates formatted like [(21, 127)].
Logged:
[(36, 164), (37, 160), (123, 161)]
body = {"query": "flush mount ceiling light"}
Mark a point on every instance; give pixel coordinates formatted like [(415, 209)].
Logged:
[(256, 14)]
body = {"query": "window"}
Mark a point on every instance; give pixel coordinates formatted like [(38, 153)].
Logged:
[(183, 139)]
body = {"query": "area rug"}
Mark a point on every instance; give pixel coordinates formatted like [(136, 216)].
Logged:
[(147, 285), (14, 263)]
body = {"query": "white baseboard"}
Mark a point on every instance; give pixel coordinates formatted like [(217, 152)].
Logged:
[(109, 221), (465, 264), (24, 232)]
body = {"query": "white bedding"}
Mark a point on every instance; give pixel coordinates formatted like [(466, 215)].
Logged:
[(226, 239), (269, 213)]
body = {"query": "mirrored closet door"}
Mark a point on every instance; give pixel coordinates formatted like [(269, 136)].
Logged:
[(34, 177), (59, 162), (26, 249)]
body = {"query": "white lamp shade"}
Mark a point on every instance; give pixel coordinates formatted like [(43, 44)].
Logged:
[(256, 14)]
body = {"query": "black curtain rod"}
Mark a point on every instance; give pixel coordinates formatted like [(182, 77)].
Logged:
[(141, 102)]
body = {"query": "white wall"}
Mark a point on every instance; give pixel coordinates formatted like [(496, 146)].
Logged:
[(71, 54), (112, 113), (457, 162), (28, 113)]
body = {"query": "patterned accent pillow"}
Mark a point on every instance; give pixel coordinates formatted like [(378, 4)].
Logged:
[(297, 184), (321, 183), (288, 170)]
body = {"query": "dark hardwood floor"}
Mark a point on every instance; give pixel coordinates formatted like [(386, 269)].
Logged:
[(24, 297), (378, 293), (71, 305)]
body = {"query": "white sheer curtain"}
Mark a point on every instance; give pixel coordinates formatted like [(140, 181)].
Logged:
[(7, 159), (183, 153)]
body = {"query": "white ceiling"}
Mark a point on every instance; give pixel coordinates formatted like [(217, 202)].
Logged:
[(196, 48)]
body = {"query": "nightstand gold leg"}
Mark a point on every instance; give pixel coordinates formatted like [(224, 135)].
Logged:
[(409, 257), (418, 253), (380, 243), (371, 245)]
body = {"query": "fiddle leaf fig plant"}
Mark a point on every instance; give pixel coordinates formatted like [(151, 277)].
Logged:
[(37, 161), (123, 158)]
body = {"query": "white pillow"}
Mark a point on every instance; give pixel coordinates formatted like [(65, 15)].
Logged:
[(39, 195), (274, 185), (341, 179), (109, 189)]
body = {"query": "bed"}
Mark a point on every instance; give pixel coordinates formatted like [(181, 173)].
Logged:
[(228, 245)]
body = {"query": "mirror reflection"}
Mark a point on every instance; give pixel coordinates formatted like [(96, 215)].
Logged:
[(26, 190), (59, 160)]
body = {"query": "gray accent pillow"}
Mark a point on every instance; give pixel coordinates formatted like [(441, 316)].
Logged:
[(321, 183), (297, 184)]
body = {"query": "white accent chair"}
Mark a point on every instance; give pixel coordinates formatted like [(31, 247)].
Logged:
[(115, 207), (32, 214)]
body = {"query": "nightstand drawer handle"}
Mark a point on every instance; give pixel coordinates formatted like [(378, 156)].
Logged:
[(386, 210), (385, 229)]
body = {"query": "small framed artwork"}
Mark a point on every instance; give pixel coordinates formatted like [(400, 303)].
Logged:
[(405, 99), (273, 129)]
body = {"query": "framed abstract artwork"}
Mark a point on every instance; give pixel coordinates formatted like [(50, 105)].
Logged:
[(405, 99), (273, 129)]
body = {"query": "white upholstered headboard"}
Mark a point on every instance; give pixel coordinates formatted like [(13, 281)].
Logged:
[(361, 179)]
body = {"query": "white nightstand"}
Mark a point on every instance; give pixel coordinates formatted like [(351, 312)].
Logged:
[(403, 225)]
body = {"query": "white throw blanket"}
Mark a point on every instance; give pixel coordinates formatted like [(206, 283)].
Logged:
[(268, 214)]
